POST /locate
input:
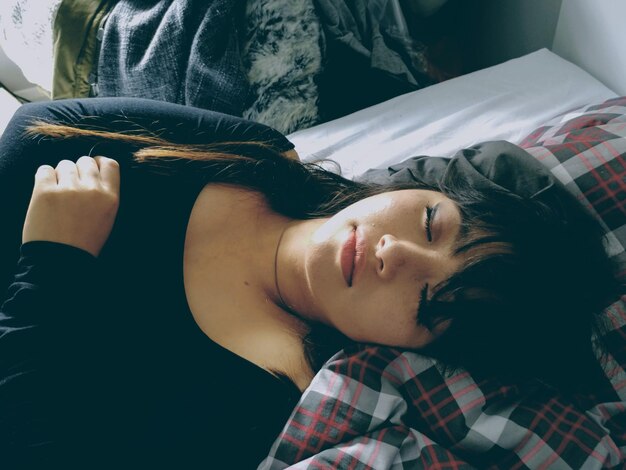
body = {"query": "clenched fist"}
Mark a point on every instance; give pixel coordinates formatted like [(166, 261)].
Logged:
[(74, 203)]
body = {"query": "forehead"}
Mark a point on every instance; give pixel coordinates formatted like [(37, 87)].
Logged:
[(405, 198), (416, 194)]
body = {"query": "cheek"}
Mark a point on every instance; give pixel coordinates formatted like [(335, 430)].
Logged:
[(322, 277), (371, 314), (378, 207), (389, 317)]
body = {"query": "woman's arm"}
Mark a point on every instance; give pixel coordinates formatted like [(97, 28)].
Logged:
[(44, 322), (21, 155)]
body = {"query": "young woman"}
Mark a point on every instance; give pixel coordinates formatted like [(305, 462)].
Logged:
[(175, 278)]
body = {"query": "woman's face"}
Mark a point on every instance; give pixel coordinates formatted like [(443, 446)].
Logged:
[(367, 266)]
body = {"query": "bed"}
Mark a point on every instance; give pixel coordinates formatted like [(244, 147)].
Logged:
[(375, 407)]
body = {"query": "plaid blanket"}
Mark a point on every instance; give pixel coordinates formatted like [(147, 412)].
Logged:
[(382, 408)]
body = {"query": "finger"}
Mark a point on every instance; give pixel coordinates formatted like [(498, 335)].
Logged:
[(45, 176), (109, 173), (87, 169), (67, 173)]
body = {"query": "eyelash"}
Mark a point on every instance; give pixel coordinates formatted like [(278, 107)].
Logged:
[(421, 308), (427, 222)]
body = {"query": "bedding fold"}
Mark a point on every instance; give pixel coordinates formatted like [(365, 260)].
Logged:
[(369, 57), (179, 51)]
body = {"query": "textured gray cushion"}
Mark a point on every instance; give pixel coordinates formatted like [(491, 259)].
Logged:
[(282, 54)]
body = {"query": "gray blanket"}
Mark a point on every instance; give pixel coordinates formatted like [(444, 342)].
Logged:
[(180, 51), (370, 55)]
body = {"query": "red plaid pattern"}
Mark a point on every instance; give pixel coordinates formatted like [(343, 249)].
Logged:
[(376, 407)]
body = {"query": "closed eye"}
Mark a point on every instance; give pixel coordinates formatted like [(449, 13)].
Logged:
[(431, 214)]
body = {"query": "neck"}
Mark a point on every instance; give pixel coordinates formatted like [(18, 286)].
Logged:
[(270, 247), (267, 265), (291, 283)]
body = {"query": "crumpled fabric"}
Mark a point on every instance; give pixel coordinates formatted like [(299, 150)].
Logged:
[(369, 55), (376, 30), (496, 166), (179, 51)]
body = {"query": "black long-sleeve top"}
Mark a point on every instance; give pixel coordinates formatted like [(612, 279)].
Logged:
[(101, 362)]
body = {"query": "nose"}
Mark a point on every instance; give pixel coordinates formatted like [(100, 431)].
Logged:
[(394, 256)]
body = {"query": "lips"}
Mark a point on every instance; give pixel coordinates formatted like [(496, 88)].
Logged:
[(353, 254), (360, 254)]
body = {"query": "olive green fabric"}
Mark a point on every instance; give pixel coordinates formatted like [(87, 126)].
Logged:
[(75, 45)]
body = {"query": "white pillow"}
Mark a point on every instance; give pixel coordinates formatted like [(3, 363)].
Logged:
[(506, 101)]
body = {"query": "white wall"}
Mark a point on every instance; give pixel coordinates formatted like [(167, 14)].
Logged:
[(592, 34)]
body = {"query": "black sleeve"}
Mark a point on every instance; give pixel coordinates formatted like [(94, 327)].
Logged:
[(175, 122), (43, 335)]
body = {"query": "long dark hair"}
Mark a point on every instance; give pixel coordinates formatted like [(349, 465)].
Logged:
[(534, 309), (524, 303)]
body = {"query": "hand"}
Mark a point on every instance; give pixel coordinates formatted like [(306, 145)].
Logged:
[(74, 203)]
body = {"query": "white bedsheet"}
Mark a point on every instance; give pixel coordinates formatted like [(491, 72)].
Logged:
[(506, 101)]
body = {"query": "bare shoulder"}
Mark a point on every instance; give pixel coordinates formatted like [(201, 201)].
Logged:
[(230, 195), (217, 204)]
